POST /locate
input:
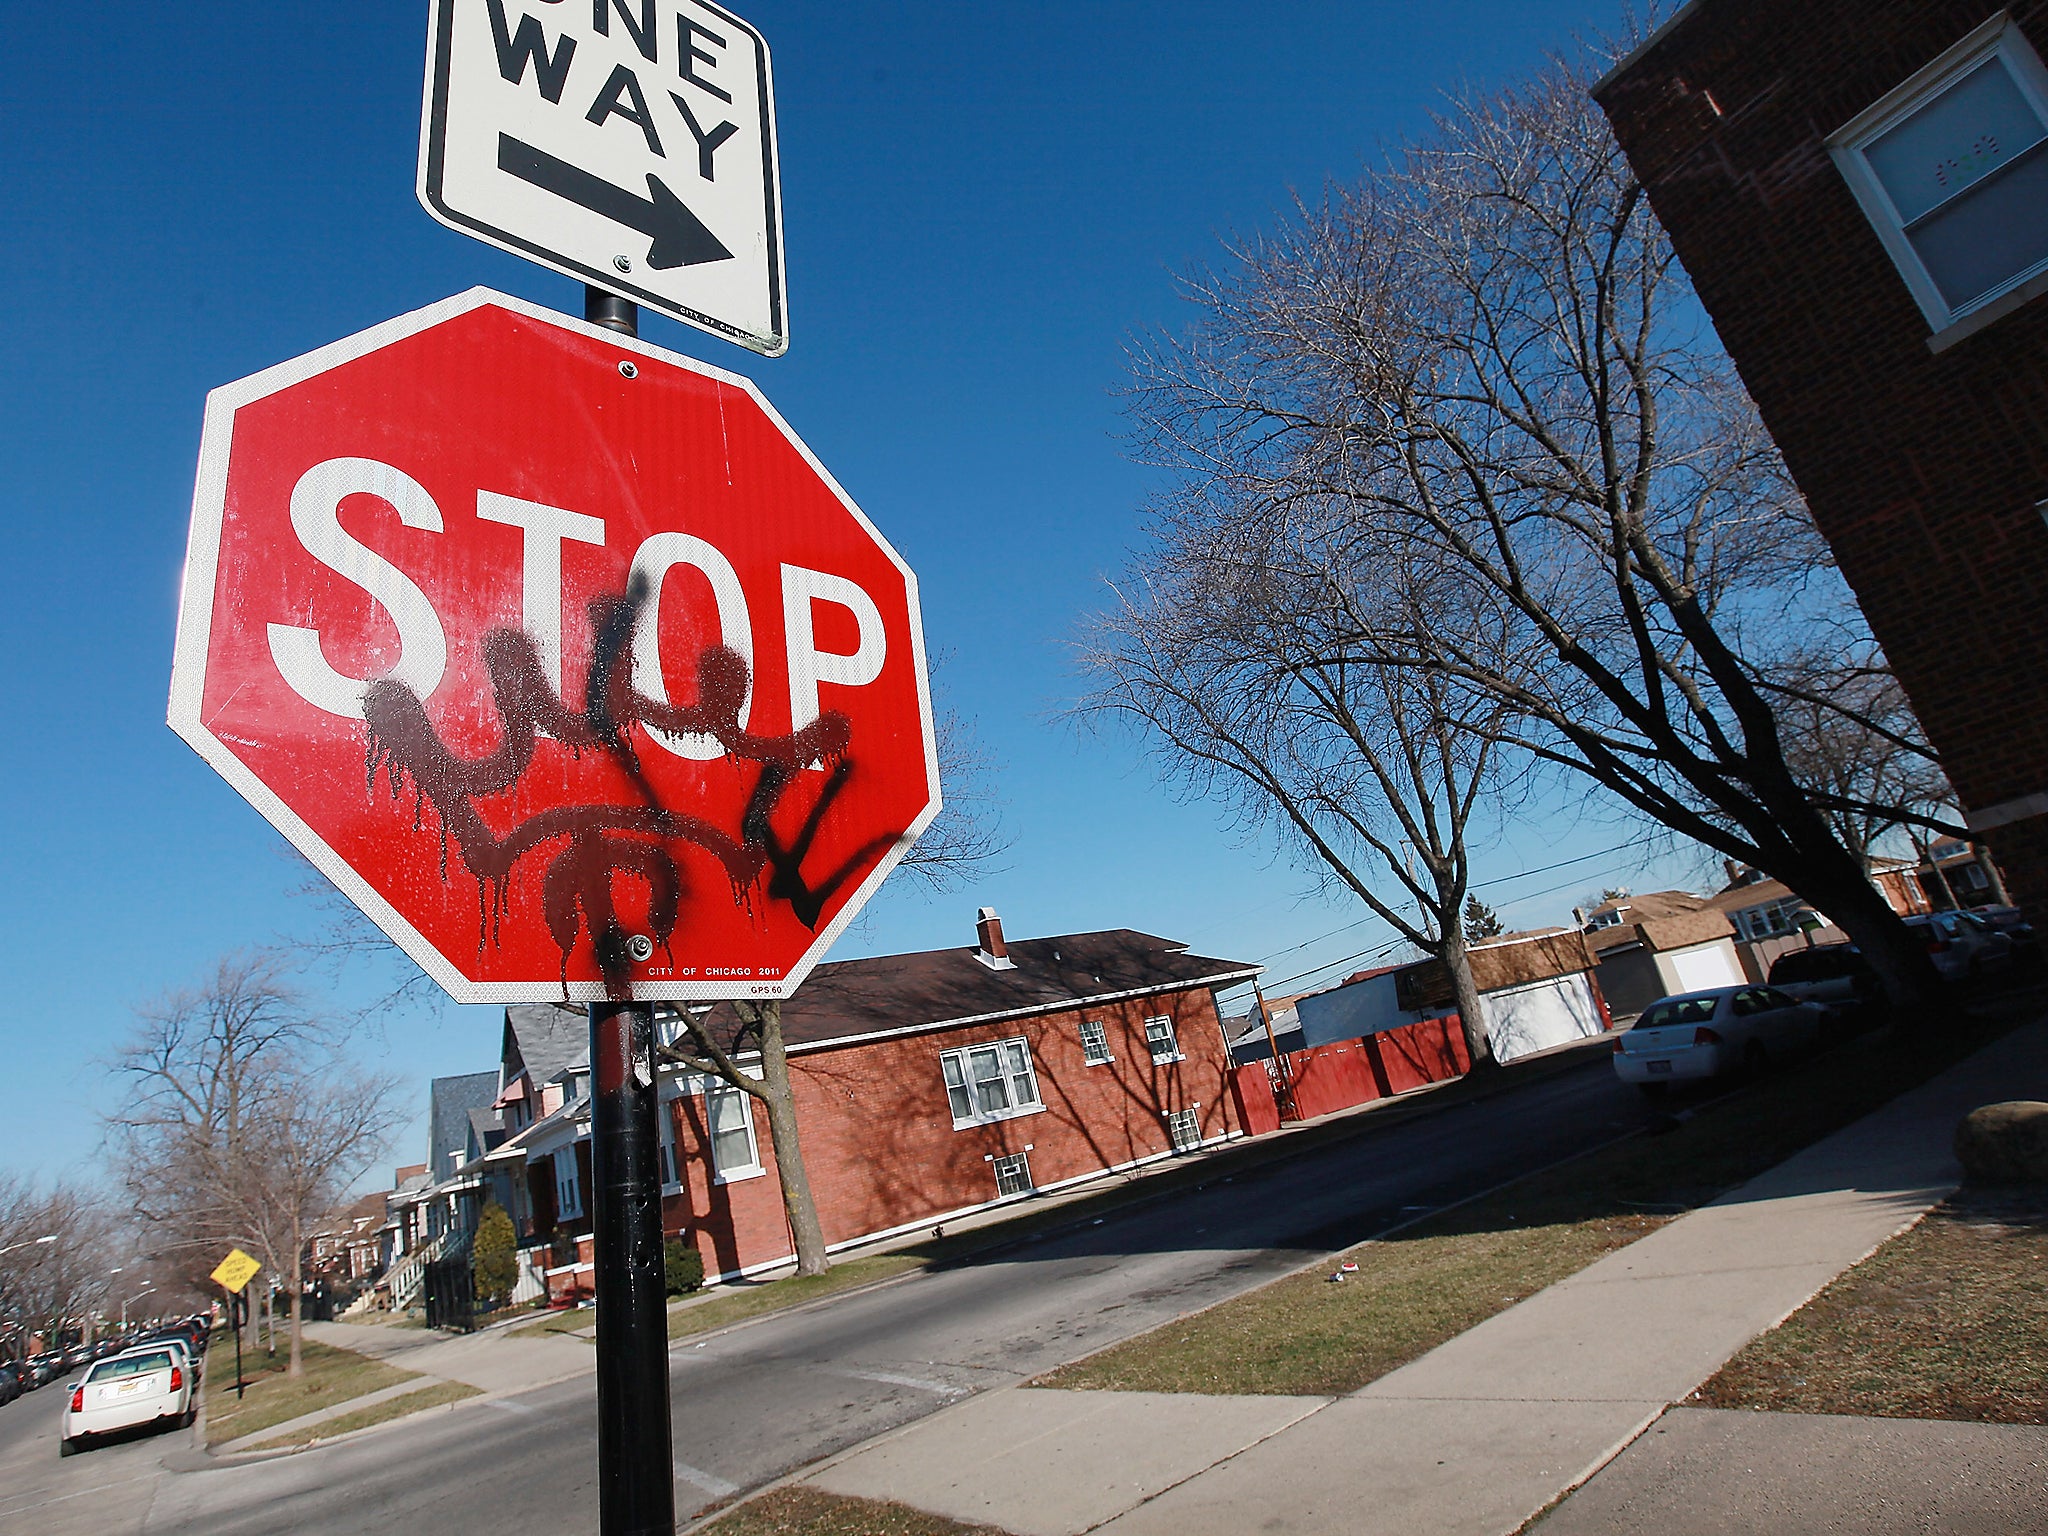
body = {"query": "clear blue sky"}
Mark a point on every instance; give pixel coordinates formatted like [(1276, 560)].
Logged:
[(982, 204)]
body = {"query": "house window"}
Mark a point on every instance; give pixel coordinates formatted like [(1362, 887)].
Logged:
[(1161, 1041), (665, 1123), (1951, 169), (1184, 1126), (990, 1082), (1013, 1174), (729, 1116), (1094, 1043), (1768, 922), (568, 1191)]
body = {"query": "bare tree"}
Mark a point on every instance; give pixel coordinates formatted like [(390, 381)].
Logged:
[(241, 1126), (712, 1042), (60, 1250), (1487, 357), (1231, 649)]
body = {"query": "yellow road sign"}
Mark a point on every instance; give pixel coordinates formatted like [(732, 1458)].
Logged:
[(236, 1270)]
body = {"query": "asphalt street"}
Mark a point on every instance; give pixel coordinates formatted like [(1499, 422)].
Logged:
[(778, 1393)]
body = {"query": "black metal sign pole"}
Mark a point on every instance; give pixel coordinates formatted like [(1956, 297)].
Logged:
[(636, 1493)]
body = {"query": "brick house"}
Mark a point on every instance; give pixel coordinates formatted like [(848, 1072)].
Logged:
[(928, 1086), (934, 1084), (1859, 190)]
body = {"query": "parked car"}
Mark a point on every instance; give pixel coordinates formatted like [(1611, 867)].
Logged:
[(1962, 945), (1697, 1035), (1834, 974), (188, 1357), (144, 1386), (2005, 919), (10, 1381)]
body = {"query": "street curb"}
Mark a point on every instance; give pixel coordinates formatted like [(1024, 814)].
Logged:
[(1357, 1121)]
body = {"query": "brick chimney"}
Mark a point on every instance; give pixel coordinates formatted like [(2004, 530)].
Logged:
[(990, 949)]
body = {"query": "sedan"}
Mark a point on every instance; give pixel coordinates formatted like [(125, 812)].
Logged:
[(144, 1386), (1698, 1035)]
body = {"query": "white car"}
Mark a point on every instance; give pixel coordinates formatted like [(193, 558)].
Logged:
[(150, 1385), (1698, 1035)]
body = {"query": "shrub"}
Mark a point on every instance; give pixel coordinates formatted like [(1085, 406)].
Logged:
[(683, 1266), (493, 1257)]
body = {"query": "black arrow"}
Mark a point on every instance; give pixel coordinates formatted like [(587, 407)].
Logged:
[(680, 238)]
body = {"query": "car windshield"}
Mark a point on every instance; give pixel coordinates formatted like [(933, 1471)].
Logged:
[(1677, 1010), (131, 1365)]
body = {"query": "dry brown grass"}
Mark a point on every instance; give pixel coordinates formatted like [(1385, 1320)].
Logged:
[(1947, 1321), (271, 1397), (406, 1403), (1433, 1281), (801, 1511)]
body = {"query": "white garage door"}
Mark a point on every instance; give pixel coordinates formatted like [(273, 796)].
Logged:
[(1708, 966), (1542, 1014)]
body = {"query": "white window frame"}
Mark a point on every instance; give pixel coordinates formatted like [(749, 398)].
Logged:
[(1173, 1051), (959, 1061), (1016, 1161), (568, 1186), (716, 1091), (1188, 1120), (1846, 145), (669, 1154), (1095, 1048)]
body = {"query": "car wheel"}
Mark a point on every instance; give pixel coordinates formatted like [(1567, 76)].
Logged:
[(191, 1417), (67, 1447)]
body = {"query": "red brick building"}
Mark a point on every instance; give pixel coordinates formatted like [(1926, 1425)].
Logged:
[(1859, 190), (928, 1086)]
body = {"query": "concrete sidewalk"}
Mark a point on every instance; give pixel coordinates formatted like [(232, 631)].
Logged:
[(1487, 1430)]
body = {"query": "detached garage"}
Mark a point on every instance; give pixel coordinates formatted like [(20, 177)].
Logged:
[(1537, 991), (1652, 946)]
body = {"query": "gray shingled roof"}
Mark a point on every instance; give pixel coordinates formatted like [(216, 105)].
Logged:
[(548, 1038), (448, 1120), (844, 999)]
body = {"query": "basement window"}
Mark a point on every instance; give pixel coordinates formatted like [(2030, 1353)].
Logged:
[(1013, 1175), (1184, 1126), (1951, 169)]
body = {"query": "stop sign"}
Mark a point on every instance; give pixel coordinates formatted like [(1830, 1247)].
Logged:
[(558, 653)]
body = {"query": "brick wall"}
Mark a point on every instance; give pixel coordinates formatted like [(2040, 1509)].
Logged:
[(880, 1145), (1923, 469)]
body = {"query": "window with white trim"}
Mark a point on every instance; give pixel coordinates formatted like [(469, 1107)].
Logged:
[(568, 1189), (1161, 1041), (990, 1082), (1184, 1127), (729, 1123), (1094, 1043), (1951, 169), (1013, 1174), (1771, 921), (665, 1125)]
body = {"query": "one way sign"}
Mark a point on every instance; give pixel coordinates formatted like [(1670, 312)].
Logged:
[(627, 143)]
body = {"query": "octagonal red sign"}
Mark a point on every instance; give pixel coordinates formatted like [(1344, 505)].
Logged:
[(558, 653)]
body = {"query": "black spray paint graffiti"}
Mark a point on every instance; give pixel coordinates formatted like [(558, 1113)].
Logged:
[(592, 846)]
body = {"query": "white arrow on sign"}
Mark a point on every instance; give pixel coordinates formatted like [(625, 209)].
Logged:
[(629, 144)]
